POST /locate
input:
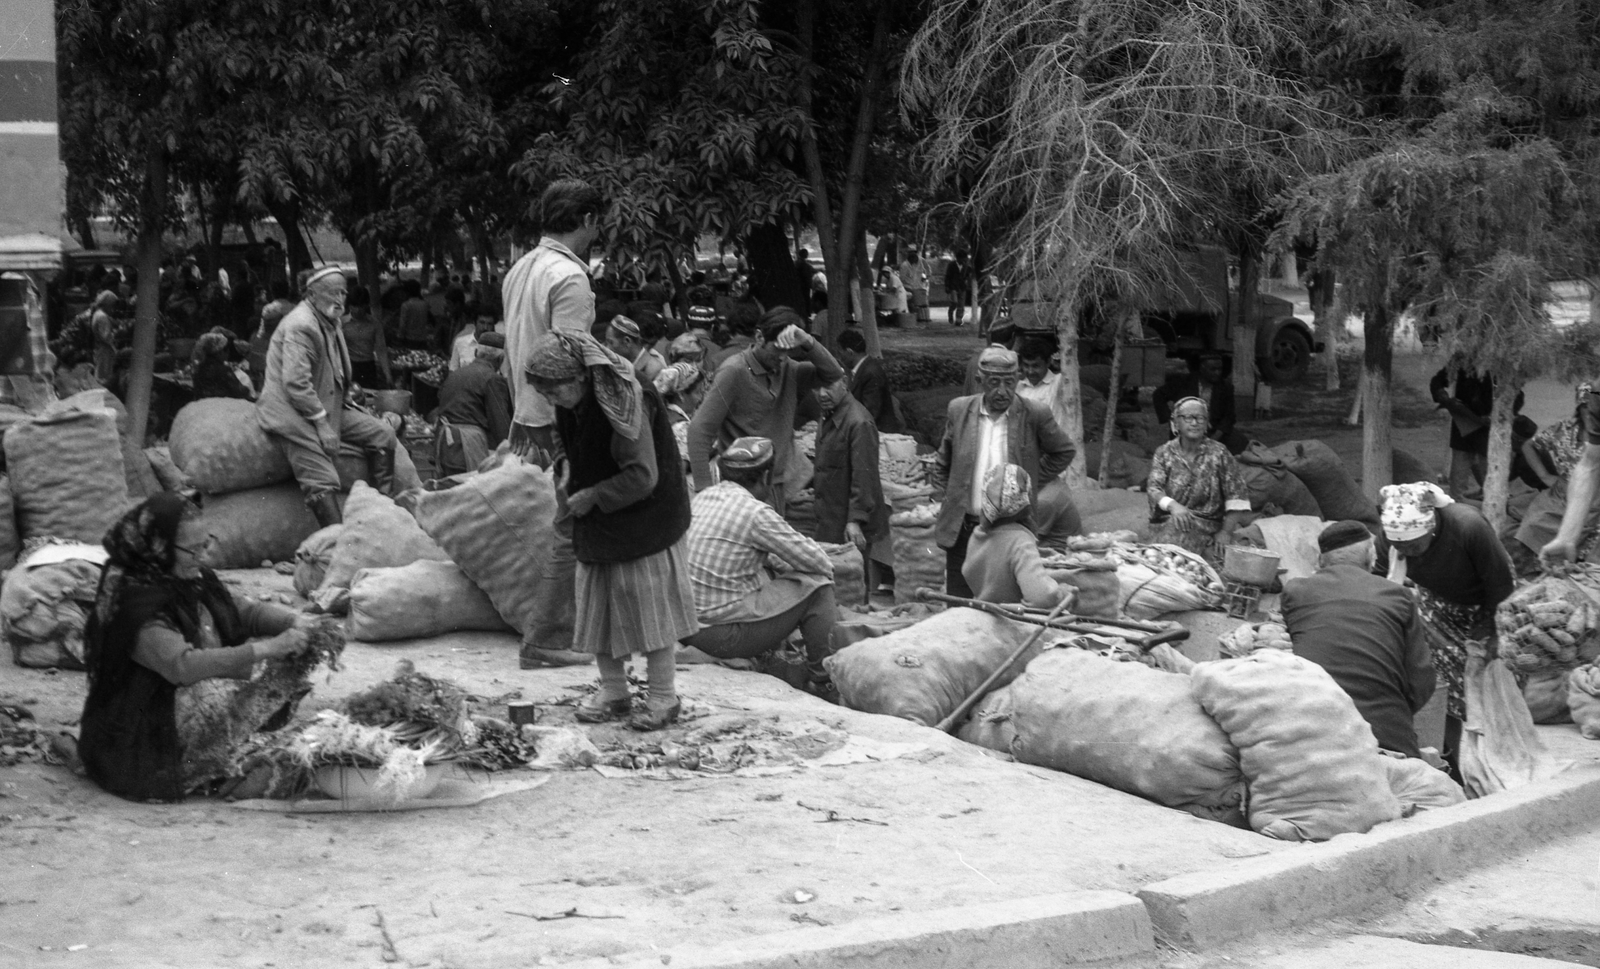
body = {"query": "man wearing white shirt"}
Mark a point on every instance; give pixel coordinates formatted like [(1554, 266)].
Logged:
[(1038, 382)]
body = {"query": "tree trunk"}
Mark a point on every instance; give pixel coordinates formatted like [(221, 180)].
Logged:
[(1244, 331), (1067, 407), (1594, 299), (220, 208), (1323, 322), (147, 316), (85, 230), (368, 270), (867, 298), (1497, 479), (1113, 391), (1377, 458), (287, 212)]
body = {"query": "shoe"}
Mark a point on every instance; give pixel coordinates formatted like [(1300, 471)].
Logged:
[(380, 464), (651, 718), (604, 711), (325, 509), (532, 658)]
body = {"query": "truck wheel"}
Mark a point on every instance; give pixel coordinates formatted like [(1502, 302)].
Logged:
[(1288, 358)]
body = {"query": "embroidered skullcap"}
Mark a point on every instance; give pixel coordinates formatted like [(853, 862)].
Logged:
[(997, 360), (686, 347), (748, 454), (1408, 510), (1341, 534), (677, 377), (1007, 490), (626, 327), (492, 339), (323, 273)]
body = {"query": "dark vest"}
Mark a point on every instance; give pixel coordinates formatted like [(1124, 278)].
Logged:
[(646, 527)]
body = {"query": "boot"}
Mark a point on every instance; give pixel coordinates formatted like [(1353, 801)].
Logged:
[(380, 464), (325, 507)]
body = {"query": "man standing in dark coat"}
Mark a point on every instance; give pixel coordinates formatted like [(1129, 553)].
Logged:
[(850, 505), (869, 382), (1363, 629)]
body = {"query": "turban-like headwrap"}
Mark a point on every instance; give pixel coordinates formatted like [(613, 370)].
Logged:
[(1408, 510), (1007, 491), (677, 377), (686, 347), (562, 355)]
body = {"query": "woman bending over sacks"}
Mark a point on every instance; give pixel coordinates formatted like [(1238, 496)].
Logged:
[(1003, 563), (170, 653), (1197, 495)]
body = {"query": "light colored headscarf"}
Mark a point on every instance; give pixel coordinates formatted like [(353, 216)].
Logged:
[(1007, 491), (686, 347), (1408, 510), (677, 377), (565, 355)]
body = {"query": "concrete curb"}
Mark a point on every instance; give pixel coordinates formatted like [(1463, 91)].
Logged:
[(1355, 872), (1047, 931)]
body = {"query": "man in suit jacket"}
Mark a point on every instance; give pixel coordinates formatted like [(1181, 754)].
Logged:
[(1364, 630), (986, 430), (302, 403), (869, 382)]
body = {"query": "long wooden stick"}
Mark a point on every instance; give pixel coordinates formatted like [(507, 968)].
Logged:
[(948, 723), (1074, 624)]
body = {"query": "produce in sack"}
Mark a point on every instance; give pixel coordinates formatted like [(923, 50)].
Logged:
[(1272, 486), (805, 440), (377, 534), (1158, 579), (424, 598), (1098, 588), (1549, 624), (1311, 761), (918, 559), (1323, 473), (312, 557), (10, 541), (990, 723), (1250, 637), (904, 497), (1546, 694), (854, 626), (1101, 541), (66, 471), (221, 447), (1124, 725), (499, 526), (1583, 699), (44, 607), (800, 511), (849, 575), (1420, 786), (259, 525), (922, 673)]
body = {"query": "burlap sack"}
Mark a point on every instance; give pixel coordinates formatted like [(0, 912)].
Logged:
[(1311, 761), (1124, 725), (421, 599), (10, 541), (1421, 787), (918, 559), (377, 534), (66, 471), (923, 672), (990, 724), (220, 446), (312, 557), (1324, 475), (259, 525), (849, 575)]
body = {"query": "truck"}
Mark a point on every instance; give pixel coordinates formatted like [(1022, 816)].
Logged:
[(1200, 311)]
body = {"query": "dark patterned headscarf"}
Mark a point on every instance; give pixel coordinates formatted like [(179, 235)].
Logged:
[(566, 355)]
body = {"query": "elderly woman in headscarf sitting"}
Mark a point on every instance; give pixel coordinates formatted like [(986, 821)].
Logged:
[(619, 477), (213, 376), (1197, 495), (171, 654), (1449, 551), (1003, 563)]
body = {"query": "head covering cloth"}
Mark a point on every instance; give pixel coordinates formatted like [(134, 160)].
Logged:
[(686, 347), (562, 355), (998, 360), (677, 377), (1191, 400), (322, 274), (1408, 510), (1007, 491)]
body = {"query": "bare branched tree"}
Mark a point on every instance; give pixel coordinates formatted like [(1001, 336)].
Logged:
[(1104, 134)]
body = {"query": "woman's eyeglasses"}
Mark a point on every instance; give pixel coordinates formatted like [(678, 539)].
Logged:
[(1190, 418), (209, 544)]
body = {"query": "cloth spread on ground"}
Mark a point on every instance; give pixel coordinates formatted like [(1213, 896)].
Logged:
[(1293, 538), (452, 792)]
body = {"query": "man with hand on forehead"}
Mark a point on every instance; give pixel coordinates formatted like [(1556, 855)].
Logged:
[(303, 407), (988, 430)]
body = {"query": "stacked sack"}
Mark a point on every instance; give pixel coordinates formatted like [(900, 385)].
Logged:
[(252, 504), (918, 559), (1322, 472), (1547, 628), (45, 603), (66, 469), (376, 534)]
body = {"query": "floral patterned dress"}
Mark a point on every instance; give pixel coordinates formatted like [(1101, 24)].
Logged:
[(1207, 482)]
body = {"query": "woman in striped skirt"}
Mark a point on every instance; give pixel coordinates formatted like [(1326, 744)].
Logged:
[(620, 478)]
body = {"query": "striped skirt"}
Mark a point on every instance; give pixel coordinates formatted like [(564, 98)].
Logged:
[(634, 607)]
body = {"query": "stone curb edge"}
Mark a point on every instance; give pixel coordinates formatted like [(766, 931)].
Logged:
[(1356, 872), (1089, 928)]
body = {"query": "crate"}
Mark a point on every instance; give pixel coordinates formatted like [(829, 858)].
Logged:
[(1240, 598)]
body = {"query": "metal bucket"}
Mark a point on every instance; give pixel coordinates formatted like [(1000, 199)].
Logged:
[(392, 402), (1253, 566)]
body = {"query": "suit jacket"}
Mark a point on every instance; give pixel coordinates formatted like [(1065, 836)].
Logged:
[(1035, 441), (308, 369), (846, 480), (1364, 630), (870, 386)]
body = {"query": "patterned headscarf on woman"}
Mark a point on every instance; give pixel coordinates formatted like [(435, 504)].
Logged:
[(1007, 491), (1408, 510), (565, 355)]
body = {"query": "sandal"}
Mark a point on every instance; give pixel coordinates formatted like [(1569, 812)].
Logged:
[(651, 718), (603, 711)]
